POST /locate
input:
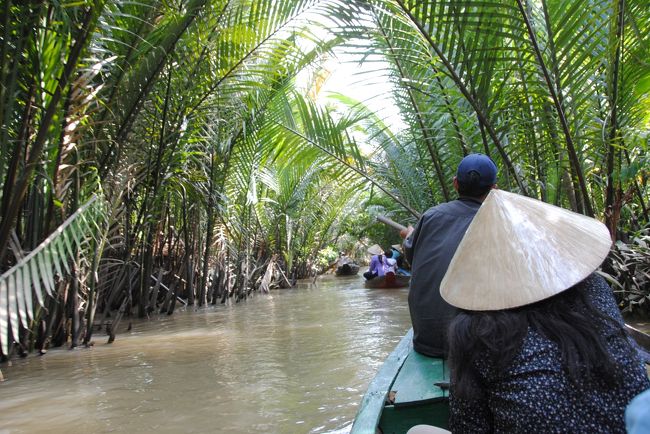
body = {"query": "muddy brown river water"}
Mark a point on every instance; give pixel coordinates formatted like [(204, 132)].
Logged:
[(293, 361)]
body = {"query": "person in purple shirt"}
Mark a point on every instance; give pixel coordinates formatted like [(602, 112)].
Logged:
[(375, 267), (380, 262)]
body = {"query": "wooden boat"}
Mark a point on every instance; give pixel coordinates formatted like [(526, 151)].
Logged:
[(347, 269), (388, 281), (408, 390)]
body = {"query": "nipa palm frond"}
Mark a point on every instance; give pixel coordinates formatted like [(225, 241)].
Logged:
[(37, 270)]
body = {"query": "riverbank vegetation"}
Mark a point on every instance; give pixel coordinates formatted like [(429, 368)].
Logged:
[(157, 153)]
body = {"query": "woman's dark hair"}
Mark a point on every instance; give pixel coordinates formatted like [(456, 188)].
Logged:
[(569, 319), (388, 253)]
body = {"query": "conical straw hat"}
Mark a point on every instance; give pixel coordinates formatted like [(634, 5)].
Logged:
[(375, 249), (518, 250)]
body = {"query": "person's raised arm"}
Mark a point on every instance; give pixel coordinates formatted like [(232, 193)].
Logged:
[(410, 236)]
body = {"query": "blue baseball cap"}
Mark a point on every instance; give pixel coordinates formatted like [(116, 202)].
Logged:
[(477, 169)]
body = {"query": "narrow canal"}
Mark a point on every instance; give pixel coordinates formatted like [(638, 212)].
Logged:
[(293, 361)]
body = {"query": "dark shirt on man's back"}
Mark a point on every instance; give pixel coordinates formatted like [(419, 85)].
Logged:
[(429, 250)]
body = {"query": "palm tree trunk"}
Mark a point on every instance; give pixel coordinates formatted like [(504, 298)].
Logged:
[(210, 211), (613, 139), (133, 91), (91, 298), (73, 308), (20, 189)]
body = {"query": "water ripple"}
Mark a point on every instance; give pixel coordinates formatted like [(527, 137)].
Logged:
[(295, 361)]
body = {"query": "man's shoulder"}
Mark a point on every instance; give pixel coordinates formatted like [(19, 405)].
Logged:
[(455, 207), (441, 207)]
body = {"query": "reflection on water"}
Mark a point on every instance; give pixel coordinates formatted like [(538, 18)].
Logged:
[(294, 361)]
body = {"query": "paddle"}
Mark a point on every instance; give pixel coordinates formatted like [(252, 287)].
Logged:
[(391, 223)]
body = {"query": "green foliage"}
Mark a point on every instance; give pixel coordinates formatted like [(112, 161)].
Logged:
[(214, 164), (548, 89), (326, 257), (39, 271)]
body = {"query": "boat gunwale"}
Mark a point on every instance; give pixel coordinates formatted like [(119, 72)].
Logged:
[(378, 282), (370, 410)]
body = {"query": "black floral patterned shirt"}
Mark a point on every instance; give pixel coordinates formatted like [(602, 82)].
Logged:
[(535, 394)]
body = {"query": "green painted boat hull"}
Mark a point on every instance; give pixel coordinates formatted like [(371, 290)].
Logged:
[(409, 389), (398, 420)]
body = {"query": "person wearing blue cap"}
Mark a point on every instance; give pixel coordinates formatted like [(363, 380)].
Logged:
[(430, 246)]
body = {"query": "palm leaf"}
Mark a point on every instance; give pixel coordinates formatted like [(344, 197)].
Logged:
[(35, 271)]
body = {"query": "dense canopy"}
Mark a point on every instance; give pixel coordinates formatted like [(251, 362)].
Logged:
[(182, 151)]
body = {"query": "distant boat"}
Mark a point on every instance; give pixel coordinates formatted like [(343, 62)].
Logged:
[(409, 389), (347, 269), (388, 281)]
